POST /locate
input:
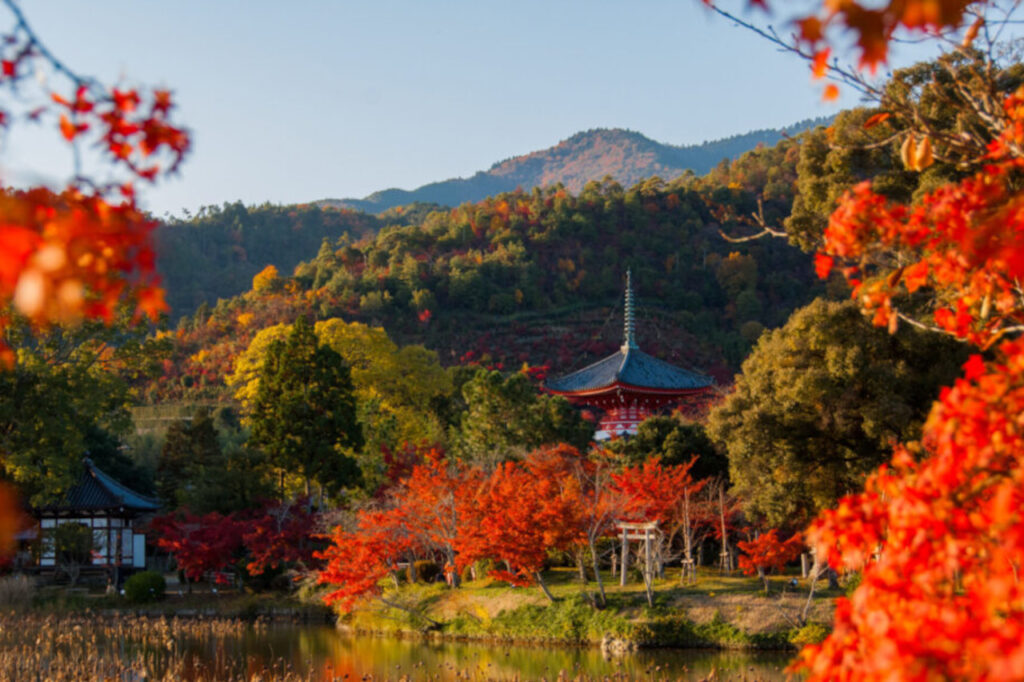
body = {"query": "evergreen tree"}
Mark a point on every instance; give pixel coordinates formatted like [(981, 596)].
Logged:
[(304, 413), (189, 447)]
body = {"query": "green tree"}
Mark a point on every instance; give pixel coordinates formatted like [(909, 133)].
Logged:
[(236, 480), (395, 387), (675, 441), (929, 98), (72, 545), (204, 469), (50, 413), (506, 416), (304, 412), (819, 404)]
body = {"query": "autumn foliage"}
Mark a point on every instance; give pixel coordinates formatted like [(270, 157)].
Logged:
[(200, 544), (555, 499), (768, 553), (275, 535), (80, 252), (938, 533)]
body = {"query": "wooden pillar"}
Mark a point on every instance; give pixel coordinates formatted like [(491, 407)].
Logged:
[(648, 570), (625, 559), (803, 564)]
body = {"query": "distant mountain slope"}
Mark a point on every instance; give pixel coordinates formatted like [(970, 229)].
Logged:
[(626, 156), (537, 276), (215, 254)]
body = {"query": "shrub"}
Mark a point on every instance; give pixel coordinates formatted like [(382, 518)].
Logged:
[(812, 633), (423, 571), (145, 587)]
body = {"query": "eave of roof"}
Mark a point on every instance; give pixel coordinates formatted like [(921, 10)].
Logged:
[(629, 367), (98, 491)]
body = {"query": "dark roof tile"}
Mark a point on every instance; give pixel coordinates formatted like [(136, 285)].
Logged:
[(97, 490), (630, 366)]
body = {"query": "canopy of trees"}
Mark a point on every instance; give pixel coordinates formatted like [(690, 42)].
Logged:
[(818, 405)]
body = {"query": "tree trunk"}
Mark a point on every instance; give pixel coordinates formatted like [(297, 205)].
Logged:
[(763, 577), (813, 575), (401, 607), (543, 586), (581, 567), (603, 600), (624, 564), (726, 559), (648, 569)]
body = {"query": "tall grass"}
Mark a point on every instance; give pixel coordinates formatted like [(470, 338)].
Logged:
[(15, 592)]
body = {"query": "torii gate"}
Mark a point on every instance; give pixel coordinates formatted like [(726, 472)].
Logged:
[(638, 531)]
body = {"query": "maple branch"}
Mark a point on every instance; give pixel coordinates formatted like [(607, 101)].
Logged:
[(924, 327), (33, 41), (835, 72)]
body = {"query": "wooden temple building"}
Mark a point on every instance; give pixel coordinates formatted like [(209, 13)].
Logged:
[(630, 385), (111, 510)]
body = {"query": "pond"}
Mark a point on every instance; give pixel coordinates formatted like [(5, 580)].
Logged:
[(87, 646)]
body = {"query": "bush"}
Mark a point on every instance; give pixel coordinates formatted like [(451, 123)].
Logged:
[(423, 571), (145, 587), (812, 633)]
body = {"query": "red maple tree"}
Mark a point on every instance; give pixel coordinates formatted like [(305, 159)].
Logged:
[(524, 510), (938, 533), (358, 559), (280, 534), (768, 553), (201, 545)]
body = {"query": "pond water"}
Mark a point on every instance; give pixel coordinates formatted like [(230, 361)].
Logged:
[(134, 647), (321, 653)]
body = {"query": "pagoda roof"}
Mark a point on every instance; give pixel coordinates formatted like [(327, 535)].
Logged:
[(634, 368), (630, 367), (97, 491)]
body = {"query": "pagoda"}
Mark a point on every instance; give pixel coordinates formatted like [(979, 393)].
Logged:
[(630, 385)]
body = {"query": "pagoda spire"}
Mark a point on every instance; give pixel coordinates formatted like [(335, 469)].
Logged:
[(630, 326)]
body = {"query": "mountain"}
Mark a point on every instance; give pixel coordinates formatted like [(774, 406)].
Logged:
[(625, 155)]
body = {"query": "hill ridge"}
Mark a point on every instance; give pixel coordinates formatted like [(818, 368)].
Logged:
[(627, 156)]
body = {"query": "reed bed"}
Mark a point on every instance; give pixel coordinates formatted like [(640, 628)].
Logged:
[(130, 648), (124, 647)]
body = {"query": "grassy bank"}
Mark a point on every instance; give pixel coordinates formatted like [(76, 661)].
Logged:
[(719, 612)]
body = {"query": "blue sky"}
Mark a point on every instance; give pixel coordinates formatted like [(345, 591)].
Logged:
[(303, 100)]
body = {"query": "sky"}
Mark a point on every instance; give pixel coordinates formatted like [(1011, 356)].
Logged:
[(311, 99)]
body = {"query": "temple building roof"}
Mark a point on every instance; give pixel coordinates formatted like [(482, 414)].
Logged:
[(630, 366), (97, 491), (633, 367)]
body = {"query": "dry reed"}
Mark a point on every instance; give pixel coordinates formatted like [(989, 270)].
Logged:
[(123, 647)]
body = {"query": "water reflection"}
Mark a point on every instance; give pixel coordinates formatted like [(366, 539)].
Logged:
[(322, 653)]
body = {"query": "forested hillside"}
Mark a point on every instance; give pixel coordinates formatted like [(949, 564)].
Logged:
[(537, 277), (626, 156), (215, 253)]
